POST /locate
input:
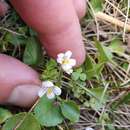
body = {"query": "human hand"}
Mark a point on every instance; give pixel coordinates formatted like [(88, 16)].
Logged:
[(57, 24)]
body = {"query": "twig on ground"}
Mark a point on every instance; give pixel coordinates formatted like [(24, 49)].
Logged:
[(110, 19)]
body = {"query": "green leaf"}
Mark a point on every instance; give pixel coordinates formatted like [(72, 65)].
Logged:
[(105, 118), (30, 123), (99, 68), (15, 39), (95, 104), (23, 30), (48, 113), (92, 69), (4, 115), (95, 72), (70, 110), (33, 52), (75, 76), (76, 87), (78, 75), (105, 54), (116, 46), (51, 71), (97, 92), (83, 77), (125, 66), (110, 127), (100, 98), (97, 5), (32, 32), (79, 70), (51, 64), (89, 63)]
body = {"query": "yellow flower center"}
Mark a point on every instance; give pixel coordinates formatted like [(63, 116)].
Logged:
[(65, 61), (49, 91)]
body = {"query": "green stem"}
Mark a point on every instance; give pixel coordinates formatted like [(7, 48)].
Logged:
[(60, 77)]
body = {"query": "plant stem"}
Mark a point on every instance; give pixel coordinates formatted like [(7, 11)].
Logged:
[(60, 76)]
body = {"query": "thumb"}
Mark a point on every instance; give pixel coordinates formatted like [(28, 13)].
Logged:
[(19, 83)]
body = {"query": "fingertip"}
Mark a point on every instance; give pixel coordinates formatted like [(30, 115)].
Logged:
[(80, 57), (54, 46), (80, 7), (23, 95)]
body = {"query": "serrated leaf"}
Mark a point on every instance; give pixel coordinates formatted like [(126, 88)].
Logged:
[(30, 123), (33, 52), (48, 113), (51, 64), (70, 110), (4, 115), (51, 71)]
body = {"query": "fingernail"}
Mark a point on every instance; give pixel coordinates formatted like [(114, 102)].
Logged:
[(24, 95)]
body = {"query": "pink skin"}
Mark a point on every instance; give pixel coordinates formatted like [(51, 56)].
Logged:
[(60, 30), (14, 73), (57, 24), (3, 8)]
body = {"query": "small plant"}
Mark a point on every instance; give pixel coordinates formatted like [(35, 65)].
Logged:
[(98, 91), (50, 109)]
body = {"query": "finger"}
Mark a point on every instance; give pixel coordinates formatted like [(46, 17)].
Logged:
[(19, 83), (57, 24), (80, 7), (3, 8)]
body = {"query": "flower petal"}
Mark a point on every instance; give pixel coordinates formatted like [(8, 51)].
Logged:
[(66, 66), (69, 71), (89, 128), (68, 54), (57, 90), (60, 60), (72, 62), (42, 91), (61, 55), (50, 95), (47, 84)]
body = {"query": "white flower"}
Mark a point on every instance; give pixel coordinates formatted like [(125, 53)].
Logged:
[(67, 63), (49, 89), (89, 128)]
